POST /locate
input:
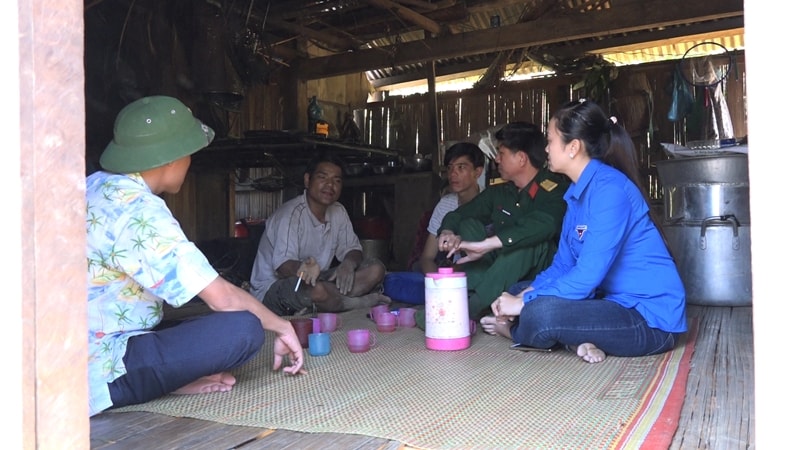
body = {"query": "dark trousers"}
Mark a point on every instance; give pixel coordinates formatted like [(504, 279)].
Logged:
[(547, 321), (160, 362), (497, 271)]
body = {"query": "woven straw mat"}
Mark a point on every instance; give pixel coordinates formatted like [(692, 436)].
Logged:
[(486, 396)]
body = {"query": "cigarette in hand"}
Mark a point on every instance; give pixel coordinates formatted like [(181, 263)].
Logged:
[(299, 279)]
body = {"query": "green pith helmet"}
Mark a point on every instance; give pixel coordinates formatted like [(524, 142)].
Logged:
[(151, 132)]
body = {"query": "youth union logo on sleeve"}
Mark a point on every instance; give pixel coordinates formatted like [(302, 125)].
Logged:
[(580, 229)]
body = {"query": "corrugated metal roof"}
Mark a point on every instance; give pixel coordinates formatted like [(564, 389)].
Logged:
[(674, 49), (528, 64)]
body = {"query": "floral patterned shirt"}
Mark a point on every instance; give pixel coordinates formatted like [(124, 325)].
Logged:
[(137, 258)]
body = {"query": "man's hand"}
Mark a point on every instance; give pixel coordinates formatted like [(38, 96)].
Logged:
[(287, 344), (447, 241), (345, 276), (309, 271), (474, 251)]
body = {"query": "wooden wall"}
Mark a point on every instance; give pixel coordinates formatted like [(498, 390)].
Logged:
[(402, 123), (204, 204)]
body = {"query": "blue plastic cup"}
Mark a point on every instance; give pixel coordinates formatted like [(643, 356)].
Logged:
[(319, 344)]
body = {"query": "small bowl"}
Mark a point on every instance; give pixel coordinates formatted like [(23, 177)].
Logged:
[(418, 163), (381, 169), (355, 169)]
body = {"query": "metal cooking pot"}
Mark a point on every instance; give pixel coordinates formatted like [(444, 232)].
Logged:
[(713, 260), (729, 168), (706, 225), (381, 169), (376, 248), (418, 163), (700, 187), (355, 169), (373, 228)]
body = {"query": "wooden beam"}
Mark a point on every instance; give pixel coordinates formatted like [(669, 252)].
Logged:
[(329, 40), (623, 43), (632, 17), (441, 71), (489, 6), (408, 14), (420, 4)]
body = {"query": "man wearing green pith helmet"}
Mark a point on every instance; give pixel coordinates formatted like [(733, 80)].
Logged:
[(138, 258)]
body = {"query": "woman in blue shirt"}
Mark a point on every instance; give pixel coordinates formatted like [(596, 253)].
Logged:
[(613, 287)]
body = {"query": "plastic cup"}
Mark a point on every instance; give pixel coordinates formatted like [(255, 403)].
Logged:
[(329, 322), (377, 309), (315, 325), (386, 322), (319, 344), (405, 317), (302, 327), (360, 340)]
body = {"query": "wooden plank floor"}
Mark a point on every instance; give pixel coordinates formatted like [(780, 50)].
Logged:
[(718, 412)]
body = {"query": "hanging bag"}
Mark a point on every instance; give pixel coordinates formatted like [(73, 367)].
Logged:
[(682, 97)]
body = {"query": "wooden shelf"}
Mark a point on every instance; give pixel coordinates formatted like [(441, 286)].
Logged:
[(274, 148)]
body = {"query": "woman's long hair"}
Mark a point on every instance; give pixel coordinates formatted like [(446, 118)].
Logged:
[(604, 139)]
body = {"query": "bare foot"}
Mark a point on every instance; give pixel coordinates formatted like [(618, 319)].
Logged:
[(219, 382), (488, 325), (494, 326), (590, 353), (365, 301)]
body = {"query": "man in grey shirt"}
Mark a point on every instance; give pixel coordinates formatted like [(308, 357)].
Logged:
[(292, 270)]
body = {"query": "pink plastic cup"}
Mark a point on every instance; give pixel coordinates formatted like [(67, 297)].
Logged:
[(315, 325), (303, 327), (360, 340), (405, 317), (329, 322), (386, 322), (377, 309)]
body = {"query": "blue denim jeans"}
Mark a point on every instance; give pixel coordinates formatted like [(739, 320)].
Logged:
[(548, 321), (160, 362)]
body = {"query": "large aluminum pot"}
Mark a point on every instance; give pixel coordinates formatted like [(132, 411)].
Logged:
[(700, 187), (713, 260), (727, 168), (376, 248), (695, 202)]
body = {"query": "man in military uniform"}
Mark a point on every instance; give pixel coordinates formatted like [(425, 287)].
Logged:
[(510, 231)]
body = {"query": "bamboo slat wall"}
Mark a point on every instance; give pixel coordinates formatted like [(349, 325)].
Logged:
[(403, 124)]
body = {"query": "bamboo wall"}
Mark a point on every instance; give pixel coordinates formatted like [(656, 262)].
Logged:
[(402, 124)]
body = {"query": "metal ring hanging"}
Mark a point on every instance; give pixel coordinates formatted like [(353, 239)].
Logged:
[(700, 70)]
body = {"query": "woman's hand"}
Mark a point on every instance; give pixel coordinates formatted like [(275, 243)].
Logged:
[(507, 305)]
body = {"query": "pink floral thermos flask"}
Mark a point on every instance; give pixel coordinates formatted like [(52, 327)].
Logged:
[(446, 310)]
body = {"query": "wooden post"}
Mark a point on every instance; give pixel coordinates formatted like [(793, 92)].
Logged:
[(294, 92), (433, 110), (45, 272)]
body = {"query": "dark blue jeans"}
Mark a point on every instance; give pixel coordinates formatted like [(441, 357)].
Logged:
[(548, 321), (160, 362)]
